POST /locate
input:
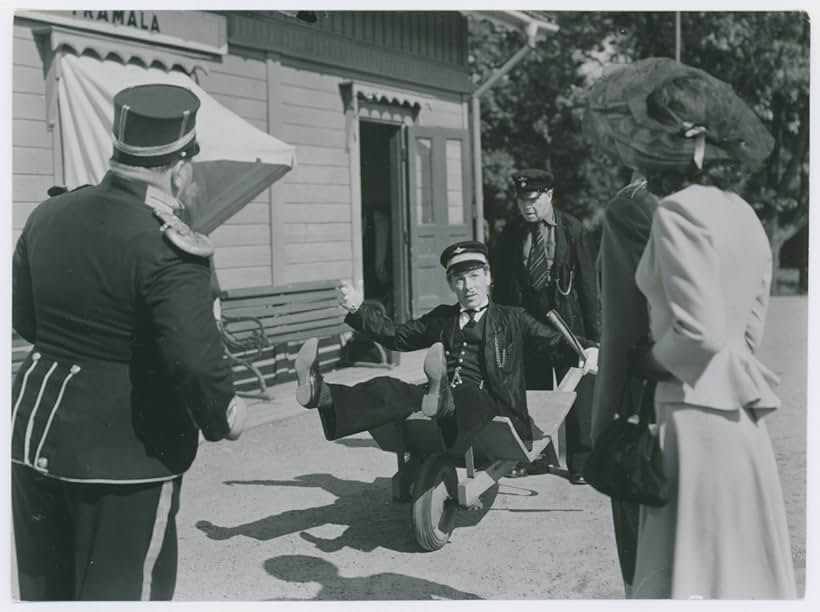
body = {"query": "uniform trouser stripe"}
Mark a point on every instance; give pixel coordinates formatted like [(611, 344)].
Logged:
[(157, 537), (33, 365), (51, 415), (30, 425)]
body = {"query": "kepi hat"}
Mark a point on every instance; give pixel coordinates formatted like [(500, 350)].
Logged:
[(533, 180), (154, 125), (658, 113), (464, 255)]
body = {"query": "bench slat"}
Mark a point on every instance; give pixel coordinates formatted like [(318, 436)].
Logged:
[(268, 311), (277, 302), (325, 315), (319, 332), (297, 288)]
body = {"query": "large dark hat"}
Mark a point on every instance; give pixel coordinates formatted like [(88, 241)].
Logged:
[(464, 255), (154, 125), (658, 113), (532, 179)]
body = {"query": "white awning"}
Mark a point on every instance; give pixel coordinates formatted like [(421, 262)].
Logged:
[(236, 163)]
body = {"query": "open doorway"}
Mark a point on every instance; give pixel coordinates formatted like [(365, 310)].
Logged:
[(383, 261), (380, 212)]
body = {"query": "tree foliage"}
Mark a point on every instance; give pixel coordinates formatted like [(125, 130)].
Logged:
[(532, 117)]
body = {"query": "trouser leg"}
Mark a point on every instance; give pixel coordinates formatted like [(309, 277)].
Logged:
[(625, 517), (579, 425), (368, 405), (474, 408), (126, 540), (43, 537)]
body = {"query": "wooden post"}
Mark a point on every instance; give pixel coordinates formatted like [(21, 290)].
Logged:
[(278, 255), (677, 36)]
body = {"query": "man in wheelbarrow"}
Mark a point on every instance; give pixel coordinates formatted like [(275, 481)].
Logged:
[(474, 365)]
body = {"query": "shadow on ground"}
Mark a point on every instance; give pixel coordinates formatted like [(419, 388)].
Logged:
[(384, 586), (366, 510), (363, 508)]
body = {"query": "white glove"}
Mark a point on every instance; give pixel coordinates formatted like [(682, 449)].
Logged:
[(591, 364), (236, 414), (347, 295)]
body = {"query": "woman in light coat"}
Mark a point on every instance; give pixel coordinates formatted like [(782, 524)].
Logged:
[(706, 274)]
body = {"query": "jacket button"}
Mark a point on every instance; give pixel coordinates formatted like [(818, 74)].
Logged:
[(42, 463)]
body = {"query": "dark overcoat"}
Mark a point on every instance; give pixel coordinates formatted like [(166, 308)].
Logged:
[(626, 227), (127, 362)]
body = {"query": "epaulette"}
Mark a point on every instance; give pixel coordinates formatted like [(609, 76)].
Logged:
[(174, 228), (56, 190)]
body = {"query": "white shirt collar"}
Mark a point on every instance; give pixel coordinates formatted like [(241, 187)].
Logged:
[(464, 315)]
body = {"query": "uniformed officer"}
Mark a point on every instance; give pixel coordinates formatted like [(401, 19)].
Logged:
[(474, 365), (127, 366), (543, 263)]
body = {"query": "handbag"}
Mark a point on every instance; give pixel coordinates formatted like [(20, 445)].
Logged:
[(626, 462)]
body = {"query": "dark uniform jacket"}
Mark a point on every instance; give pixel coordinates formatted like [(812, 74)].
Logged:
[(507, 329), (127, 361), (573, 291)]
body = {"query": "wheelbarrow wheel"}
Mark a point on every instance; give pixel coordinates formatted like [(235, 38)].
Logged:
[(435, 507)]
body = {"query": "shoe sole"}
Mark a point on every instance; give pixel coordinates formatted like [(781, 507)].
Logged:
[(431, 401), (305, 358)]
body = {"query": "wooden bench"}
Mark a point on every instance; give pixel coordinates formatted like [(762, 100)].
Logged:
[(20, 348), (263, 328)]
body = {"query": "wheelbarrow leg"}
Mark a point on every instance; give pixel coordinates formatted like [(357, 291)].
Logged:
[(470, 489), (402, 480), (560, 443)]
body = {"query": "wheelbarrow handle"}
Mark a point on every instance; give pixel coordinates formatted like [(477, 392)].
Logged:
[(561, 325)]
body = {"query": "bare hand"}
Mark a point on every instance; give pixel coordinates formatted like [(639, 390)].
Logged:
[(236, 414), (348, 297), (590, 365)]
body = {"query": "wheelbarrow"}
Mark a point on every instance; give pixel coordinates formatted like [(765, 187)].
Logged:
[(427, 473)]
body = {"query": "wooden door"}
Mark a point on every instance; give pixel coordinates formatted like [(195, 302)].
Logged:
[(439, 210)]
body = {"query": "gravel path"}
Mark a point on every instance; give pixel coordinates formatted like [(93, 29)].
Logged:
[(285, 515)]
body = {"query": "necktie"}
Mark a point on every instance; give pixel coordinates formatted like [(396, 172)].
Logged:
[(537, 265), (472, 314)]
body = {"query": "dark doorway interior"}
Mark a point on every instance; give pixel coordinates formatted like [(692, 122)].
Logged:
[(378, 210)]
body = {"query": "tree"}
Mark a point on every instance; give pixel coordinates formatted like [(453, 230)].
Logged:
[(765, 57), (533, 116)]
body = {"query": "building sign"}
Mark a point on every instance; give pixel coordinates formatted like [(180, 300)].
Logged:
[(144, 20), (196, 30)]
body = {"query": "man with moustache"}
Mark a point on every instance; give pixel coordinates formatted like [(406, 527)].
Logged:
[(544, 263)]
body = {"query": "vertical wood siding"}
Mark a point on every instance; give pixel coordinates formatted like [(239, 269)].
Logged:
[(316, 202), (243, 243), (32, 153), (315, 228)]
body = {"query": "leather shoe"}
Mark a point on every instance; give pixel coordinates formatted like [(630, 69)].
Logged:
[(577, 478), (312, 389), (438, 401), (539, 466), (519, 471)]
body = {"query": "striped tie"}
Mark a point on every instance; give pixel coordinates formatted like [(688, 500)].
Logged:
[(537, 265)]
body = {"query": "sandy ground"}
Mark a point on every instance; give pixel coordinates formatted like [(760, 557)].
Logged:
[(285, 515)]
